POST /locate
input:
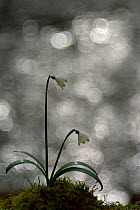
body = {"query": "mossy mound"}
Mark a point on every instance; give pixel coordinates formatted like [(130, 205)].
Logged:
[(62, 195)]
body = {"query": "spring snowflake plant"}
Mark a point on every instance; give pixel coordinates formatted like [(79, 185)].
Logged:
[(68, 167)]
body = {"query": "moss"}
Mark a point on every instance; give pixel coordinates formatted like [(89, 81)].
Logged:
[(62, 195)]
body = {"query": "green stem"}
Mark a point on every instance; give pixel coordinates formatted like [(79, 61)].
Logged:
[(46, 131), (73, 130)]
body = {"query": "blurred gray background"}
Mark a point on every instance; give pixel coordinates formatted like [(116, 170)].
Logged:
[(96, 45)]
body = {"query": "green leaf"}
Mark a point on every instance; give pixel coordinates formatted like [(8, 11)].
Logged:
[(77, 163), (30, 155), (18, 162), (70, 169)]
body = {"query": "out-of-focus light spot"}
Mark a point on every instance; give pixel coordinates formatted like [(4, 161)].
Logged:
[(100, 34), (7, 82), (2, 169), (59, 40), (28, 66), (118, 56), (87, 27), (97, 157), (83, 154), (30, 166), (101, 130), (130, 164), (116, 195), (107, 187), (94, 95), (119, 43), (4, 110), (106, 112), (135, 100), (19, 168), (108, 87), (115, 57), (45, 32), (77, 24), (101, 24), (85, 44), (80, 176), (72, 148), (136, 159), (66, 108), (30, 27), (129, 127), (6, 124), (114, 27), (135, 116), (7, 153), (39, 67), (136, 137), (105, 176), (118, 50), (62, 39), (25, 66), (138, 74), (81, 88)]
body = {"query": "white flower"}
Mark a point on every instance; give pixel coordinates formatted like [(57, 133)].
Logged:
[(60, 81), (82, 138)]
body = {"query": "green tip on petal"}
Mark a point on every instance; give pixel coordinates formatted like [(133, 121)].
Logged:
[(82, 138), (60, 81)]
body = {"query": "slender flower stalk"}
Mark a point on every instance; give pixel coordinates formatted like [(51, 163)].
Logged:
[(46, 130), (61, 151)]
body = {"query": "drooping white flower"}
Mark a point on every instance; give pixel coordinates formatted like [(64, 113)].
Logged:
[(60, 81), (82, 138)]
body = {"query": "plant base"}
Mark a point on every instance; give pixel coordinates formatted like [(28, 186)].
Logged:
[(62, 195)]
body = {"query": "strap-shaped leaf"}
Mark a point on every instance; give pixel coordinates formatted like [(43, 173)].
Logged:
[(32, 156), (78, 163), (18, 162), (70, 169)]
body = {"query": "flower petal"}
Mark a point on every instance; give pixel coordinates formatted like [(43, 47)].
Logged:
[(82, 138), (60, 81)]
